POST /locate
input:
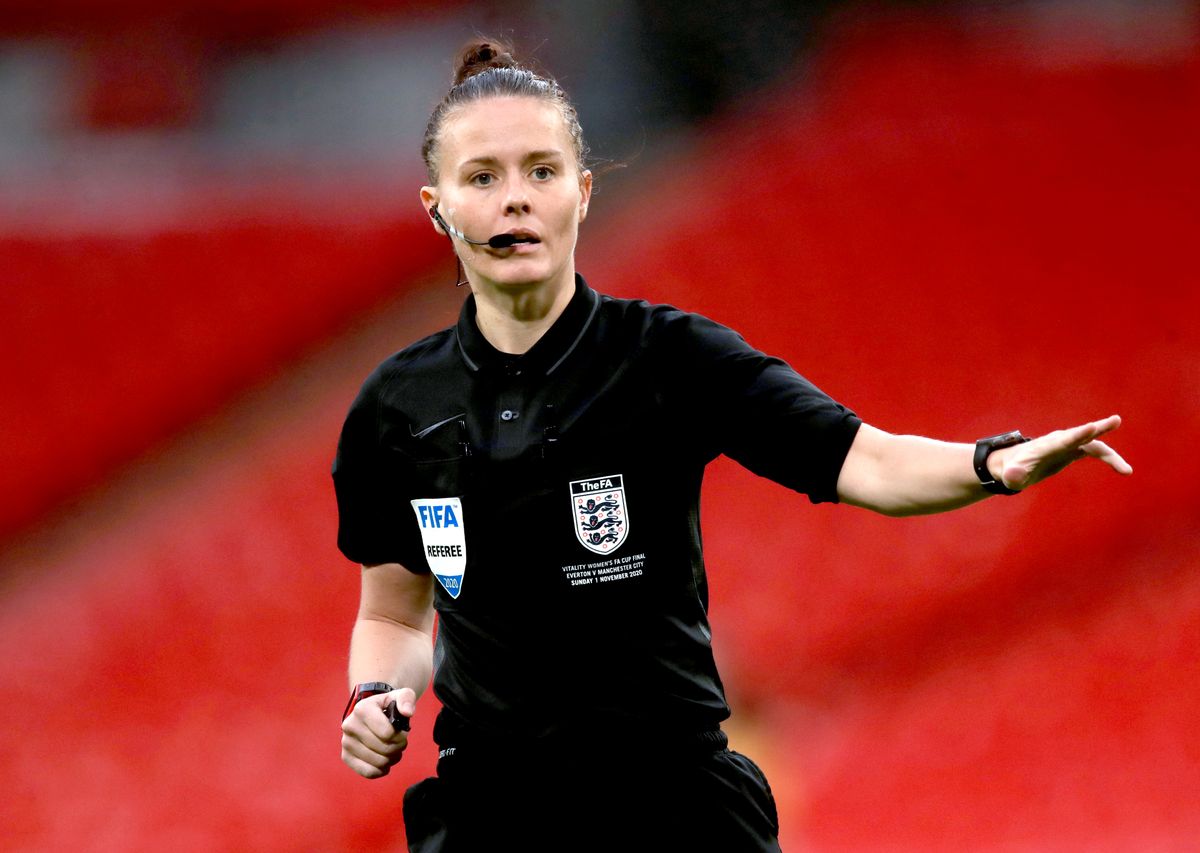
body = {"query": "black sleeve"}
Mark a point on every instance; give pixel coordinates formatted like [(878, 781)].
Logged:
[(373, 512), (760, 412)]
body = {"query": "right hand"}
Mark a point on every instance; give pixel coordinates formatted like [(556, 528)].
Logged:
[(370, 745)]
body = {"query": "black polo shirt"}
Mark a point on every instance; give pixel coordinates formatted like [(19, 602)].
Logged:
[(555, 495)]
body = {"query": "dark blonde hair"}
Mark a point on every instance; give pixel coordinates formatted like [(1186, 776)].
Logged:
[(487, 69)]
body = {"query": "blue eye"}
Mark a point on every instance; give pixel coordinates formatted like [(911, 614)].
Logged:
[(543, 173), (483, 179)]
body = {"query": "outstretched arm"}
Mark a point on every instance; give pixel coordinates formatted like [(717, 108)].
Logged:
[(909, 475)]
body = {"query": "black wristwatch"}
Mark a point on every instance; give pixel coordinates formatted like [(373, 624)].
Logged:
[(984, 448), (362, 691)]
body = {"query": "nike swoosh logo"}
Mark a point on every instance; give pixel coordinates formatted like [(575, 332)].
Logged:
[(430, 429)]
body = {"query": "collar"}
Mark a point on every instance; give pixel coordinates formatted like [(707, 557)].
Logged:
[(551, 349)]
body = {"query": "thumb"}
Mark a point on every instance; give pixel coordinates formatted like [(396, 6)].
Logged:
[(405, 699), (399, 707)]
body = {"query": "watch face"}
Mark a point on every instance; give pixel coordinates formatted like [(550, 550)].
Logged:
[(1004, 439)]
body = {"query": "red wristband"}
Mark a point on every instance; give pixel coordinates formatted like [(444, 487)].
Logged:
[(362, 691)]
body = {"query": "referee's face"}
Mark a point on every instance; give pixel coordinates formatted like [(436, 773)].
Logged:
[(506, 165)]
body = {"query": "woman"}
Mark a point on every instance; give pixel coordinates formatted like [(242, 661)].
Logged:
[(533, 474)]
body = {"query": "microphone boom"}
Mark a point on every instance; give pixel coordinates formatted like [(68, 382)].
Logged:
[(496, 241)]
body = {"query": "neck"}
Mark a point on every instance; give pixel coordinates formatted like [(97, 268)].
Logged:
[(514, 319)]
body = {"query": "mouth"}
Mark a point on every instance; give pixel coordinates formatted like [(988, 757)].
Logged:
[(512, 238), (523, 235)]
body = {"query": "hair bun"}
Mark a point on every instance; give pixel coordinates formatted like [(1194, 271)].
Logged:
[(479, 56)]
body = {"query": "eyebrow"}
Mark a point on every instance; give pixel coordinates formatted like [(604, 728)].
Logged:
[(548, 154)]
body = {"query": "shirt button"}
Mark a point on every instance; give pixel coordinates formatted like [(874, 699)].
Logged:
[(508, 415)]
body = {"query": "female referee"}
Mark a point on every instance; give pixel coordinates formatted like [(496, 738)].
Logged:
[(533, 475)]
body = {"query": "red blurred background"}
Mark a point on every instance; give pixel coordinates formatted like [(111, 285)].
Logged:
[(956, 218)]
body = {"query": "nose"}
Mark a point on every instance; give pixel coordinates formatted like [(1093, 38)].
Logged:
[(517, 199)]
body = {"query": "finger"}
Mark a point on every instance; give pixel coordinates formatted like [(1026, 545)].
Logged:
[(399, 721), (357, 749), (1100, 450), (406, 700), (370, 741), (363, 768), (363, 727), (399, 707), (1107, 424), (1021, 472), (370, 712), (1073, 438), (1095, 429), (378, 725), (356, 730)]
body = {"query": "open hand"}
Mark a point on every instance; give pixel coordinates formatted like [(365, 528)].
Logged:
[(1022, 465)]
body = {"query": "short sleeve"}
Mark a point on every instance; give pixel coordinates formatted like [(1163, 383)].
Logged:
[(761, 413), (372, 512)]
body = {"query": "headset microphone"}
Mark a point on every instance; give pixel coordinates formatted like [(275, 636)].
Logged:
[(497, 241)]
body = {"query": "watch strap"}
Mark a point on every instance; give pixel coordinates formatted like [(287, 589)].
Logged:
[(984, 448), (362, 691)]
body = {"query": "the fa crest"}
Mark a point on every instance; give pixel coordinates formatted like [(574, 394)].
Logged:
[(601, 514)]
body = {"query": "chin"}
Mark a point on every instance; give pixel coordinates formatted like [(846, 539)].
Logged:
[(522, 276)]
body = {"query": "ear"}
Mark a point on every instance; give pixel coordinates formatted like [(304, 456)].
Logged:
[(429, 198), (585, 192)]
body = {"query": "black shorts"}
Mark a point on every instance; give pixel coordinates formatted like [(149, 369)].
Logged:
[(712, 800)]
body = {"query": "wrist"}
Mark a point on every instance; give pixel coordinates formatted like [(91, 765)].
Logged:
[(995, 463), (362, 691), (990, 456)]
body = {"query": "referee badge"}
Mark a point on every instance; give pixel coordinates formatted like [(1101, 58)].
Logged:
[(601, 514), (441, 523)]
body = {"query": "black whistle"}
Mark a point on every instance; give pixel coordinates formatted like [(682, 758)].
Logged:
[(399, 722), (504, 241)]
